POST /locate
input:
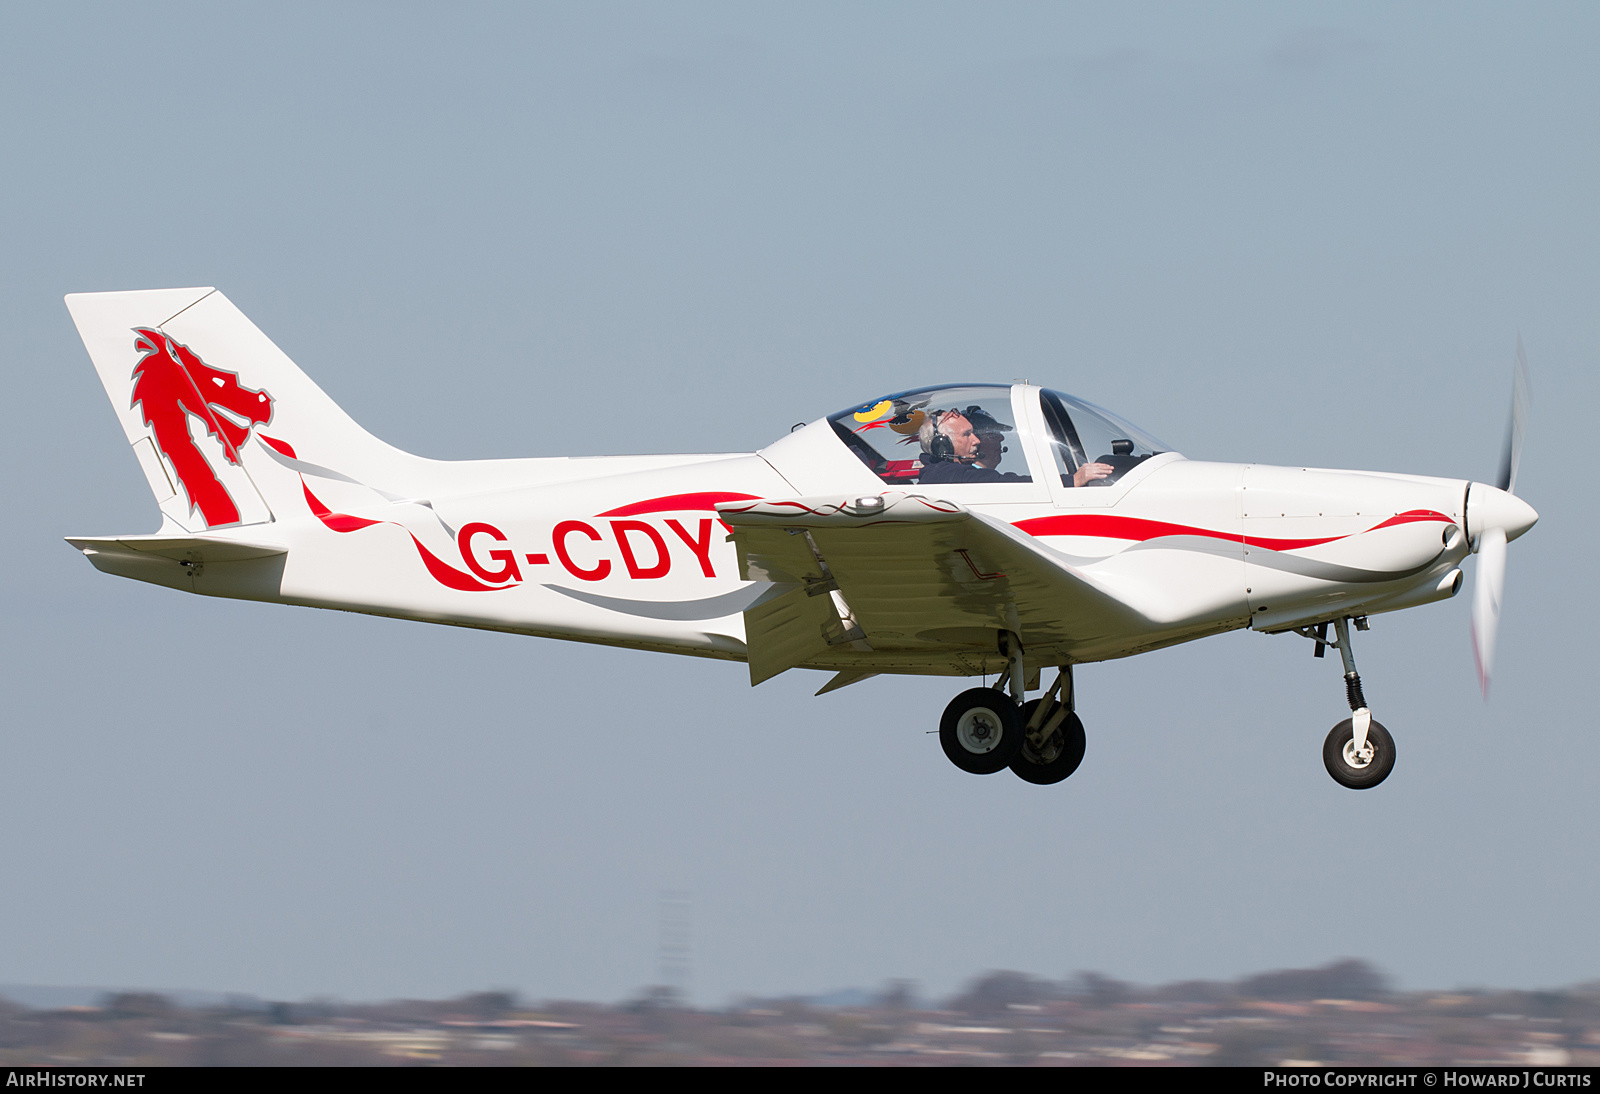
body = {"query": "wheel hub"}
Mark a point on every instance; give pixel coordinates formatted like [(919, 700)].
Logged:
[(979, 731), (1358, 758), (1046, 751)]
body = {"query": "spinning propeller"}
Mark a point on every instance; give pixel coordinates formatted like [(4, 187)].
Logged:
[(1495, 516)]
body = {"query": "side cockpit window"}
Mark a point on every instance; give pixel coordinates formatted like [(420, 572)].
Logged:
[(937, 435)]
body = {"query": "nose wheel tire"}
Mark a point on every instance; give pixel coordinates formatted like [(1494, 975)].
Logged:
[(1358, 770), (981, 731), (1057, 758)]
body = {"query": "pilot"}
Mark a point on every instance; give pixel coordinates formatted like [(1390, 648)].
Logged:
[(965, 446)]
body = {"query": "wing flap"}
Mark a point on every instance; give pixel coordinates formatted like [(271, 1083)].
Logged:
[(788, 630)]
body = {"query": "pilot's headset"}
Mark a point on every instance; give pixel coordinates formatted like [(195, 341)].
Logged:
[(937, 445)]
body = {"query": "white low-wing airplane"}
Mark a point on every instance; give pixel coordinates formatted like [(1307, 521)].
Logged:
[(949, 531)]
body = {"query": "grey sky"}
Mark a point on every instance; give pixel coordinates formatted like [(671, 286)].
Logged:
[(1300, 234)]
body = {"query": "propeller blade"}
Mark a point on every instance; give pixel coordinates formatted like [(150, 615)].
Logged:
[(1512, 457), (1491, 583), (1493, 518)]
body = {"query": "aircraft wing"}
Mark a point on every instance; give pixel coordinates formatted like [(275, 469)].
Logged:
[(906, 573)]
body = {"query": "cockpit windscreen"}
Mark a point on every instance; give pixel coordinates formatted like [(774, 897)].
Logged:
[(1090, 445)]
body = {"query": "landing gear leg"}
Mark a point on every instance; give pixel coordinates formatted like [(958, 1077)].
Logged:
[(1016, 675), (1358, 753)]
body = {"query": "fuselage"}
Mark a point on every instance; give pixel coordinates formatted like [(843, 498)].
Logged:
[(630, 551)]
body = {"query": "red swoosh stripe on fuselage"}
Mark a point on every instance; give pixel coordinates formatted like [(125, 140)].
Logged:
[(677, 503), (442, 572), (277, 446), (1106, 526)]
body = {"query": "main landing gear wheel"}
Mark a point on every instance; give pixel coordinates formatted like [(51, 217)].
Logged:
[(1358, 770), (1057, 758), (981, 731)]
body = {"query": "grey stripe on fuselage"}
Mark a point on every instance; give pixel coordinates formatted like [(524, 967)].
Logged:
[(712, 607)]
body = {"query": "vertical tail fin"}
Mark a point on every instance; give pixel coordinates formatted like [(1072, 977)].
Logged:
[(218, 416)]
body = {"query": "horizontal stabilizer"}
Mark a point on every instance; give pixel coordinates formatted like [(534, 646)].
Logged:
[(177, 548), (207, 564)]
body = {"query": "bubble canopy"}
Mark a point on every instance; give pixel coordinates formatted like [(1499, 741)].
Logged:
[(979, 433)]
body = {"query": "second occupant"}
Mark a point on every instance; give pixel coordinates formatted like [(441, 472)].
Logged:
[(954, 449)]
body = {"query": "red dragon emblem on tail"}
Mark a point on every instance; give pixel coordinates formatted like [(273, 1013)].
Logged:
[(170, 383)]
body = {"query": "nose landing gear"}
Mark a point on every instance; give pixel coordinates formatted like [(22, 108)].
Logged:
[(1358, 752)]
